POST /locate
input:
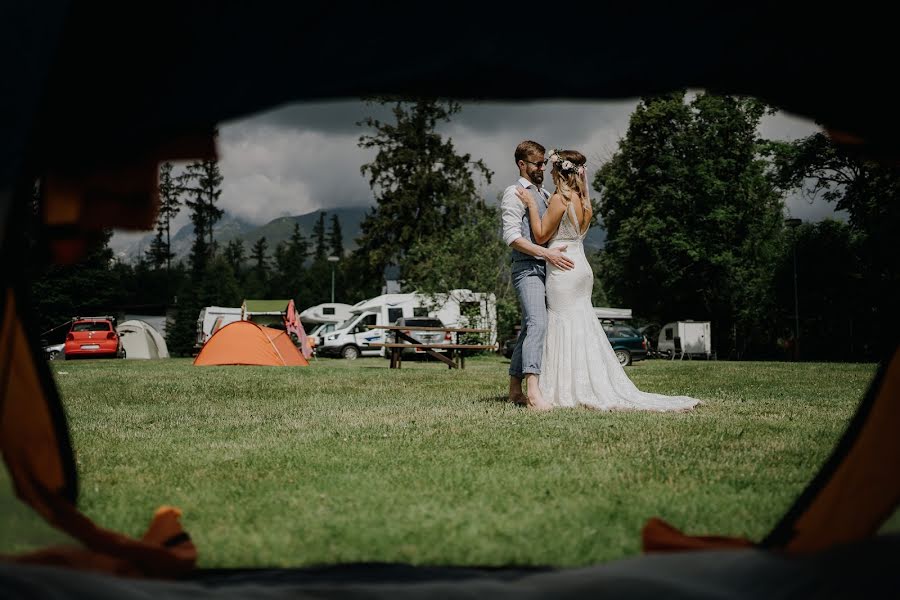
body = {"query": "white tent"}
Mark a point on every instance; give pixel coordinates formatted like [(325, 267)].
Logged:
[(141, 340), (158, 322)]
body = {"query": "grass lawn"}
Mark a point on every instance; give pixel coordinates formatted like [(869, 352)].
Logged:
[(349, 461)]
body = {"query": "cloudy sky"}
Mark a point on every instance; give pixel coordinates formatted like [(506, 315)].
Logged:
[(299, 158)]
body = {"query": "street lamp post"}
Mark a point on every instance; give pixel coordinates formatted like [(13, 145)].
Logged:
[(332, 260), (793, 224)]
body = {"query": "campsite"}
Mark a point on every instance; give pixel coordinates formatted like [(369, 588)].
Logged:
[(324, 463), (349, 461)]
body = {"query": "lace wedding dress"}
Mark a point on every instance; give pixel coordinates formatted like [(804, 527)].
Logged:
[(580, 367)]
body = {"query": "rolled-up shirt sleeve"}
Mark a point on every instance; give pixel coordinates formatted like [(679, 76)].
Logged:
[(512, 210)]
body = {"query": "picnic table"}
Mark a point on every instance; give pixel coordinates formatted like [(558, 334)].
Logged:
[(455, 356)]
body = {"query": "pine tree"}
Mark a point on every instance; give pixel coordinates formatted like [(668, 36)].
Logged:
[(260, 259), (319, 235), (336, 237), (288, 280), (202, 182), (235, 255), (160, 252), (423, 188), (298, 246)]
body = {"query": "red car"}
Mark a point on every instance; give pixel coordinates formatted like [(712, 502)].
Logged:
[(91, 337)]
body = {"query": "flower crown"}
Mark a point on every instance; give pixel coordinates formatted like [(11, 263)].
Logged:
[(565, 166)]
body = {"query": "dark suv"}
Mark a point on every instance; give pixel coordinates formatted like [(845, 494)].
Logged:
[(628, 344)]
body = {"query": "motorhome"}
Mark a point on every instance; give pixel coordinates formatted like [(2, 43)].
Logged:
[(212, 319), (456, 308), (319, 331)]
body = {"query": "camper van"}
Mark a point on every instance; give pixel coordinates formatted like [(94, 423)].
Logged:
[(457, 308), (212, 319), (685, 339)]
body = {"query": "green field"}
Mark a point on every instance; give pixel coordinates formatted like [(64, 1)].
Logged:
[(350, 461)]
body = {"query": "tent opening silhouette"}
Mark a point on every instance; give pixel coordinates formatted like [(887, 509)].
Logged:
[(98, 100)]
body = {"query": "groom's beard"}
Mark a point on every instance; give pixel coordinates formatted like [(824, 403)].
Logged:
[(537, 178)]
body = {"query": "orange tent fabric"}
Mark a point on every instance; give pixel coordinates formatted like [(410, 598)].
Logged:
[(246, 343)]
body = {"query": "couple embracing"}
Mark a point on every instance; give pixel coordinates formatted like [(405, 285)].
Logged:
[(562, 354)]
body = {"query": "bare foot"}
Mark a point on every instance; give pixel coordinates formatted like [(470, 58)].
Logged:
[(539, 407), (519, 398), (535, 398), (516, 396), (536, 402)]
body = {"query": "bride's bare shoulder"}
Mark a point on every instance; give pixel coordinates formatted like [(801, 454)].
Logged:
[(558, 198)]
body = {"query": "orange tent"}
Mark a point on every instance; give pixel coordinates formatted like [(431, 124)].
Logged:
[(246, 343)]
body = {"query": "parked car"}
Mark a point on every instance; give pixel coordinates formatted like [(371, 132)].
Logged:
[(93, 337), (425, 337), (54, 351), (627, 342)]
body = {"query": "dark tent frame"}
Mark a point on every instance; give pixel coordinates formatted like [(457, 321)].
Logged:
[(92, 105)]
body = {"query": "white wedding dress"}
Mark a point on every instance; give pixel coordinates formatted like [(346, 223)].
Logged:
[(579, 366)]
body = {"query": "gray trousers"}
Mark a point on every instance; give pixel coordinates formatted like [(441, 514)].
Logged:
[(528, 279)]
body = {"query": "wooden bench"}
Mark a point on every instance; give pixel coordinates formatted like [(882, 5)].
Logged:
[(455, 357), (455, 360)]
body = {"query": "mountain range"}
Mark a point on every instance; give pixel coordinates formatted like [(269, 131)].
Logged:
[(277, 230), (230, 227)]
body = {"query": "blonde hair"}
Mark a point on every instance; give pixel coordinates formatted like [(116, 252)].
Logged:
[(568, 181)]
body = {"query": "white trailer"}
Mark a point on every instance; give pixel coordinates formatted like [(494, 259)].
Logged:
[(214, 318), (685, 339)]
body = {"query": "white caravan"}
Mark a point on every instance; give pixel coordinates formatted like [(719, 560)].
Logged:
[(685, 338), (212, 319), (329, 312), (457, 308)]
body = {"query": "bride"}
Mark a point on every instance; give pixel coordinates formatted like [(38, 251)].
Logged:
[(579, 365)]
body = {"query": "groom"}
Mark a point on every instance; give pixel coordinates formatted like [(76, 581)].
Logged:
[(528, 273)]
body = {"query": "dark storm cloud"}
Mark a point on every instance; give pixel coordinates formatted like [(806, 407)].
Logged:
[(302, 157)]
